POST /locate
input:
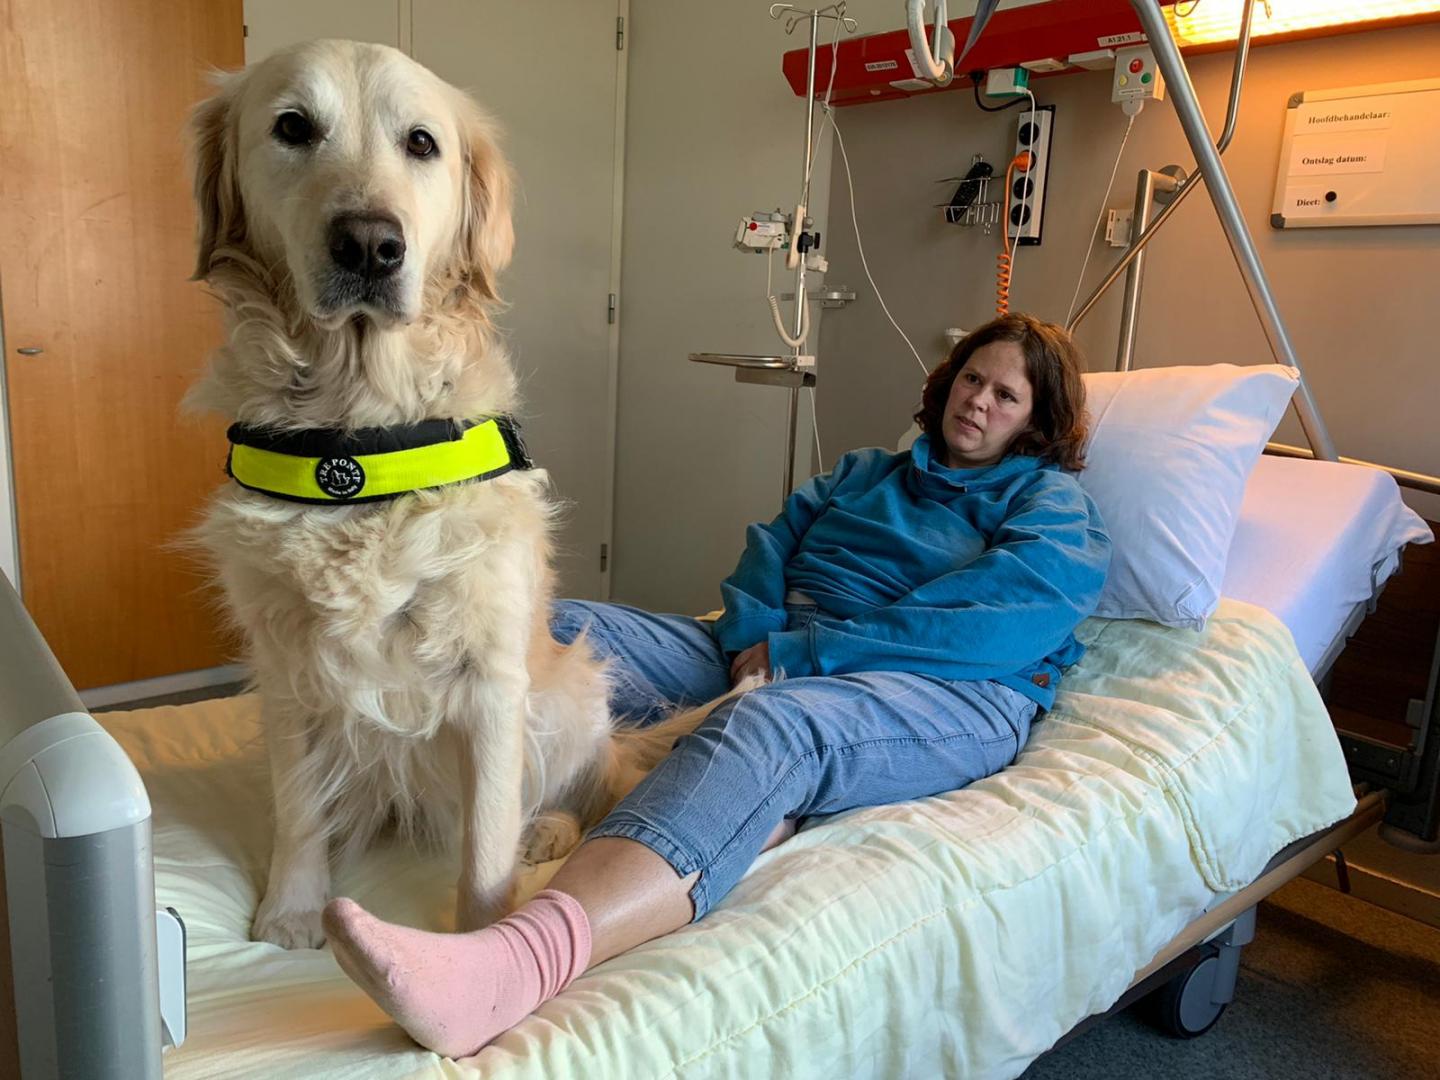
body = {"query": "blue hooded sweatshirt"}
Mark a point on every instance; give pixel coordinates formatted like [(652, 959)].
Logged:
[(959, 573)]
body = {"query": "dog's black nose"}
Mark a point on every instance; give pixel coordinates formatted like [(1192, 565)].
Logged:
[(371, 245)]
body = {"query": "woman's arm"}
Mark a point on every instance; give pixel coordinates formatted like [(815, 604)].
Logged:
[(754, 595), (1006, 610)]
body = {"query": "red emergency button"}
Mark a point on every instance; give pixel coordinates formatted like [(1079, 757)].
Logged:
[(752, 226), (1136, 66)]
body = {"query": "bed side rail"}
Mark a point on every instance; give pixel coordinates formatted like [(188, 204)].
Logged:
[(1409, 478), (1413, 820), (1410, 773), (79, 961)]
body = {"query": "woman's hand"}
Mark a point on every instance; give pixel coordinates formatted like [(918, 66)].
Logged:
[(753, 661)]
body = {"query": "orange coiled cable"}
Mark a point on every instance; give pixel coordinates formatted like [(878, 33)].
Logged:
[(1002, 282), (1003, 261)]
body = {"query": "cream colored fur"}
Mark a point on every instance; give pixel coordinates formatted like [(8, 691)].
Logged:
[(401, 649)]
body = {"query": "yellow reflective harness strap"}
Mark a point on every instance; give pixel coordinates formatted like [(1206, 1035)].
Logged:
[(481, 453)]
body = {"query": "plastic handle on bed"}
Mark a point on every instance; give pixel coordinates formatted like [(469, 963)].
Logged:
[(170, 950), (67, 776)]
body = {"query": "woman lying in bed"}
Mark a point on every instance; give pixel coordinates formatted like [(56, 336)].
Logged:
[(914, 611)]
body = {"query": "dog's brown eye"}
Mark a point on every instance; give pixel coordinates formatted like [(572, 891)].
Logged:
[(294, 129), (421, 143)]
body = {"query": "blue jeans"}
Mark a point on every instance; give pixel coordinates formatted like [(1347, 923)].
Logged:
[(789, 749)]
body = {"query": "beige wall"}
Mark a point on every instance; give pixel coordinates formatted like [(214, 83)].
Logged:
[(1361, 304), (712, 132)]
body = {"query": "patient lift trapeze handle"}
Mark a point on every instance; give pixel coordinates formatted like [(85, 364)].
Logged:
[(936, 61)]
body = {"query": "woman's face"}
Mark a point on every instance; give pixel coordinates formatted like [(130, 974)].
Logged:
[(989, 405)]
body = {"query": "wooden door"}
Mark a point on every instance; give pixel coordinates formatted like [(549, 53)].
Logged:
[(96, 248)]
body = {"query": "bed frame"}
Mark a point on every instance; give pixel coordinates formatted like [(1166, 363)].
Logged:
[(92, 976)]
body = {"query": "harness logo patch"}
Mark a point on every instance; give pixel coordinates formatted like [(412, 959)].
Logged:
[(340, 477)]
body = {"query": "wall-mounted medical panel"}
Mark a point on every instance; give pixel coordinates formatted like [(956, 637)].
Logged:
[(1360, 155)]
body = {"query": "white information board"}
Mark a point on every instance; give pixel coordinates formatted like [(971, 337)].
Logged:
[(1360, 155)]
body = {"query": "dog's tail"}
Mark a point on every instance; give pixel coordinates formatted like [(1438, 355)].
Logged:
[(633, 752)]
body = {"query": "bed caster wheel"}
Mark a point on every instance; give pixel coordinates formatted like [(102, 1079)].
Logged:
[(1185, 1006)]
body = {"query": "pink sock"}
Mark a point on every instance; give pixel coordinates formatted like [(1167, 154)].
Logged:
[(455, 992)]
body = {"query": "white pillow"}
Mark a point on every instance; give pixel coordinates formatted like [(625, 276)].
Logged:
[(1169, 454)]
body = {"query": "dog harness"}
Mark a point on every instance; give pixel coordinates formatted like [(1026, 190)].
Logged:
[(325, 466)]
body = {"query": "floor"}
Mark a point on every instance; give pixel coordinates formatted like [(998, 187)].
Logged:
[(1331, 987)]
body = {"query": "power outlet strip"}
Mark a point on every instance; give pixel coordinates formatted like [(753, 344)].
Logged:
[(1025, 206)]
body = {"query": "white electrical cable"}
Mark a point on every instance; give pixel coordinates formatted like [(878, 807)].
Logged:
[(793, 342), (1033, 132), (802, 208), (825, 106), (1095, 229), (860, 246), (815, 427), (774, 302), (798, 225)]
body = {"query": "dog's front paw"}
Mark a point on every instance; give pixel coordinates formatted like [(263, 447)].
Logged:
[(288, 929), (552, 835)]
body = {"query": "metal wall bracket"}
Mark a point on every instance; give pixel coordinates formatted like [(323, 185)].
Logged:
[(792, 377), (826, 298)]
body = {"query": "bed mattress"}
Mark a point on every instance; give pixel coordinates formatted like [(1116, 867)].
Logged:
[(1316, 539), (959, 935)]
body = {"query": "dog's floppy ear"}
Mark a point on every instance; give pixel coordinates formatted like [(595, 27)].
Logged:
[(487, 236), (220, 218)]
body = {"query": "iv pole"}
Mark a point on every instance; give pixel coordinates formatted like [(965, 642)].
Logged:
[(794, 370)]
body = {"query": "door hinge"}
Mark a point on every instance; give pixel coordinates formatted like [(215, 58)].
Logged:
[(619, 32), (244, 30), (610, 309), (604, 557)]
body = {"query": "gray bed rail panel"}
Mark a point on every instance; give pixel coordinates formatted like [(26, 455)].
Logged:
[(33, 687), (78, 902), (84, 954)]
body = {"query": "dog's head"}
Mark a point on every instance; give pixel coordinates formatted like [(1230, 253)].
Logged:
[(357, 173)]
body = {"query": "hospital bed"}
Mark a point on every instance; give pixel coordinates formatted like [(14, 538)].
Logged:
[(1181, 776), (959, 935)]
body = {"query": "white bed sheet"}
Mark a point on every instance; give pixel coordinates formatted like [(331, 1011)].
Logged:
[(959, 935), (1314, 540)]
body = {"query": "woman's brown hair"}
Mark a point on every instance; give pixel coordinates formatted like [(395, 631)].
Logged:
[(1052, 364)]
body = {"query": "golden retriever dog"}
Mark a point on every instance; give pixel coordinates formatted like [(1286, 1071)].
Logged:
[(354, 213)]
